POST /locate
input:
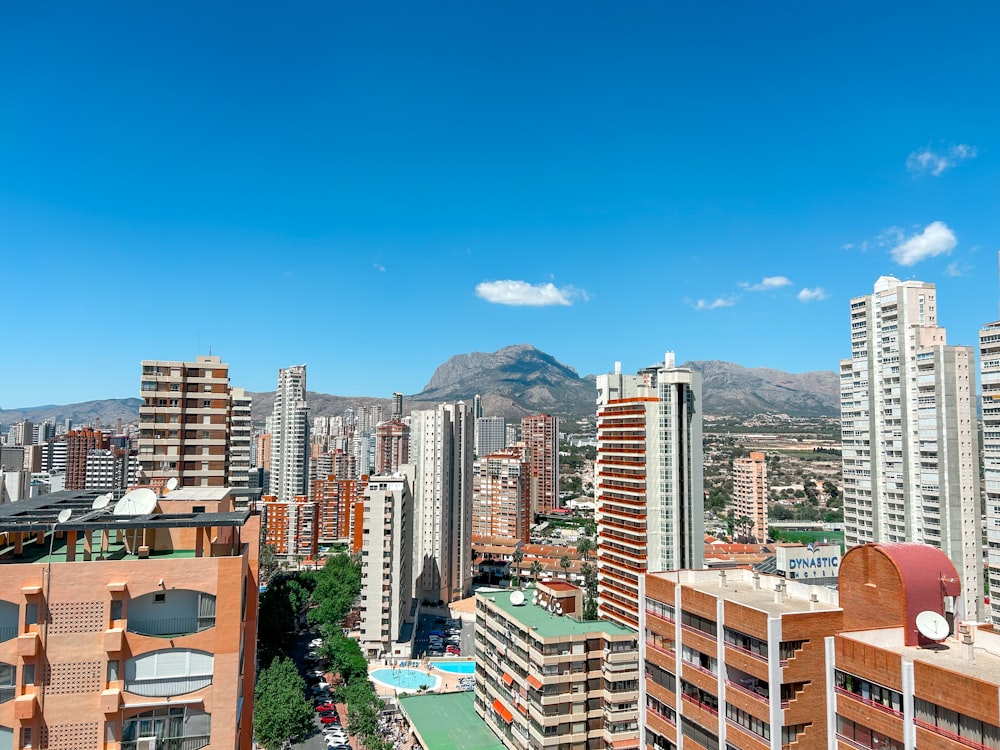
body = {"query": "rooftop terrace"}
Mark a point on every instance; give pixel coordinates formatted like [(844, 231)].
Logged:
[(547, 624)]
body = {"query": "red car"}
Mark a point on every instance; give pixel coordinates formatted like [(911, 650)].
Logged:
[(325, 707), (330, 719)]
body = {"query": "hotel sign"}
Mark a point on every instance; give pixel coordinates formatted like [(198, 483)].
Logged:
[(813, 561)]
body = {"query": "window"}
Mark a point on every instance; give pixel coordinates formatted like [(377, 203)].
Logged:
[(113, 670), (31, 613), (28, 674), (116, 609), (169, 672)]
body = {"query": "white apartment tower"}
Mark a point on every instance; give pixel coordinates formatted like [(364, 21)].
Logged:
[(290, 436), (240, 437), (386, 562), (989, 376), (441, 451), (650, 478), (910, 443)]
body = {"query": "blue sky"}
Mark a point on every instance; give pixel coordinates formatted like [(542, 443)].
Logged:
[(369, 188)]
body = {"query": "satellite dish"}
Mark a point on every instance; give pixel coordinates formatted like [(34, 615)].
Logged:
[(932, 625), (171, 484), (101, 501), (140, 502), (64, 515), (517, 598)]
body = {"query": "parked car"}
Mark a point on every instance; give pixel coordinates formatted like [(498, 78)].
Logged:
[(326, 706), (454, 650)]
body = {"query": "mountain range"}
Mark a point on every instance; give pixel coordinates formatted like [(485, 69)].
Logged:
[(519, 380)]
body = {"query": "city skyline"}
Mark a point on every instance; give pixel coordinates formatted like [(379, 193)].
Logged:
[(518, 175)]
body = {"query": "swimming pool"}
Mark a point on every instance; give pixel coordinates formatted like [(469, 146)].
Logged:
[(455, 667), (405, 679)]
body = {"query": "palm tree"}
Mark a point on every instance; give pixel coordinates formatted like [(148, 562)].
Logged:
[(516, 558), (564, 563), (585, 547), (535, 570)]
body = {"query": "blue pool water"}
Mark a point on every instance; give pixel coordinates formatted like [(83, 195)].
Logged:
[(455, 667), (404, 679)]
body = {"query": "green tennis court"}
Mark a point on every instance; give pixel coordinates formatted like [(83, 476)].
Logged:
[(448, 721)]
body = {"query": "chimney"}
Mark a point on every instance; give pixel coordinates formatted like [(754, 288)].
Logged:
[(722, 579), (779, 592), (813, 601), (756, 581)]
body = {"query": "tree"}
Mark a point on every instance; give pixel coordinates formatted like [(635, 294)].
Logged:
[(267, 563), (535, 570), (281, 712), (564, 563), (585, 547), (516, 577)]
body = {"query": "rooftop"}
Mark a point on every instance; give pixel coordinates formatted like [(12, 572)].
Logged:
[(545, 623), (42, 513), (949, 654), (448, 721), (740, 588)]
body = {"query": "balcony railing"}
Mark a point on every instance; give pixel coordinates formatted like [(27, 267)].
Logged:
[(166, 687), (172, 626), (747, 691), (950, 735), (868, 702), (194, 742), (699, 704)]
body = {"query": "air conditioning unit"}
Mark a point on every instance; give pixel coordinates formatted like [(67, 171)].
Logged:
[(145, 743)]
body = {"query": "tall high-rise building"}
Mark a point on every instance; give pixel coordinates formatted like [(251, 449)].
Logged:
[(291, 528), (392, 446), (79, 444), (240, 437), (750, 493), (386, 563), (649, 479), (112, 470), (989, 362), (501, 502), (335, 500), (397, 406), (910, 442), (540, 434), (441, 450), (289, 475), (21, 433), (491, 435), (184, 422)]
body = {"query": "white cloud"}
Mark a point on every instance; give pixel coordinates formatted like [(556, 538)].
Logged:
[(936, 239), (714, 304), (812, 295), (929, 161), (521, 293), (766, 284), (379, 267)]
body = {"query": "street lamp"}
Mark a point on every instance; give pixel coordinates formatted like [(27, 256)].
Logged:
[(63, 517)]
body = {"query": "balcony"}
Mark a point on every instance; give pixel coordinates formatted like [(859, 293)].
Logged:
[(194, 742)]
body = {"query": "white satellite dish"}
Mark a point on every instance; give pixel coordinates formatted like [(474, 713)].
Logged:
[(517, 598), (64, 515), (138, 502), (101, 501), (171, 484), (932, 625)]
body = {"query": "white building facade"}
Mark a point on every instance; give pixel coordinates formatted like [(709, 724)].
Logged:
[(290, 436), (910, 442)]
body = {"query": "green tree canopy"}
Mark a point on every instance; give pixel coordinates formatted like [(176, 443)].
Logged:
[(281, 712)]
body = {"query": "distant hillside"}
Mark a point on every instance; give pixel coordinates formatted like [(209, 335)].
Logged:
[(519, 380), (108, 410), (732, 390)]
